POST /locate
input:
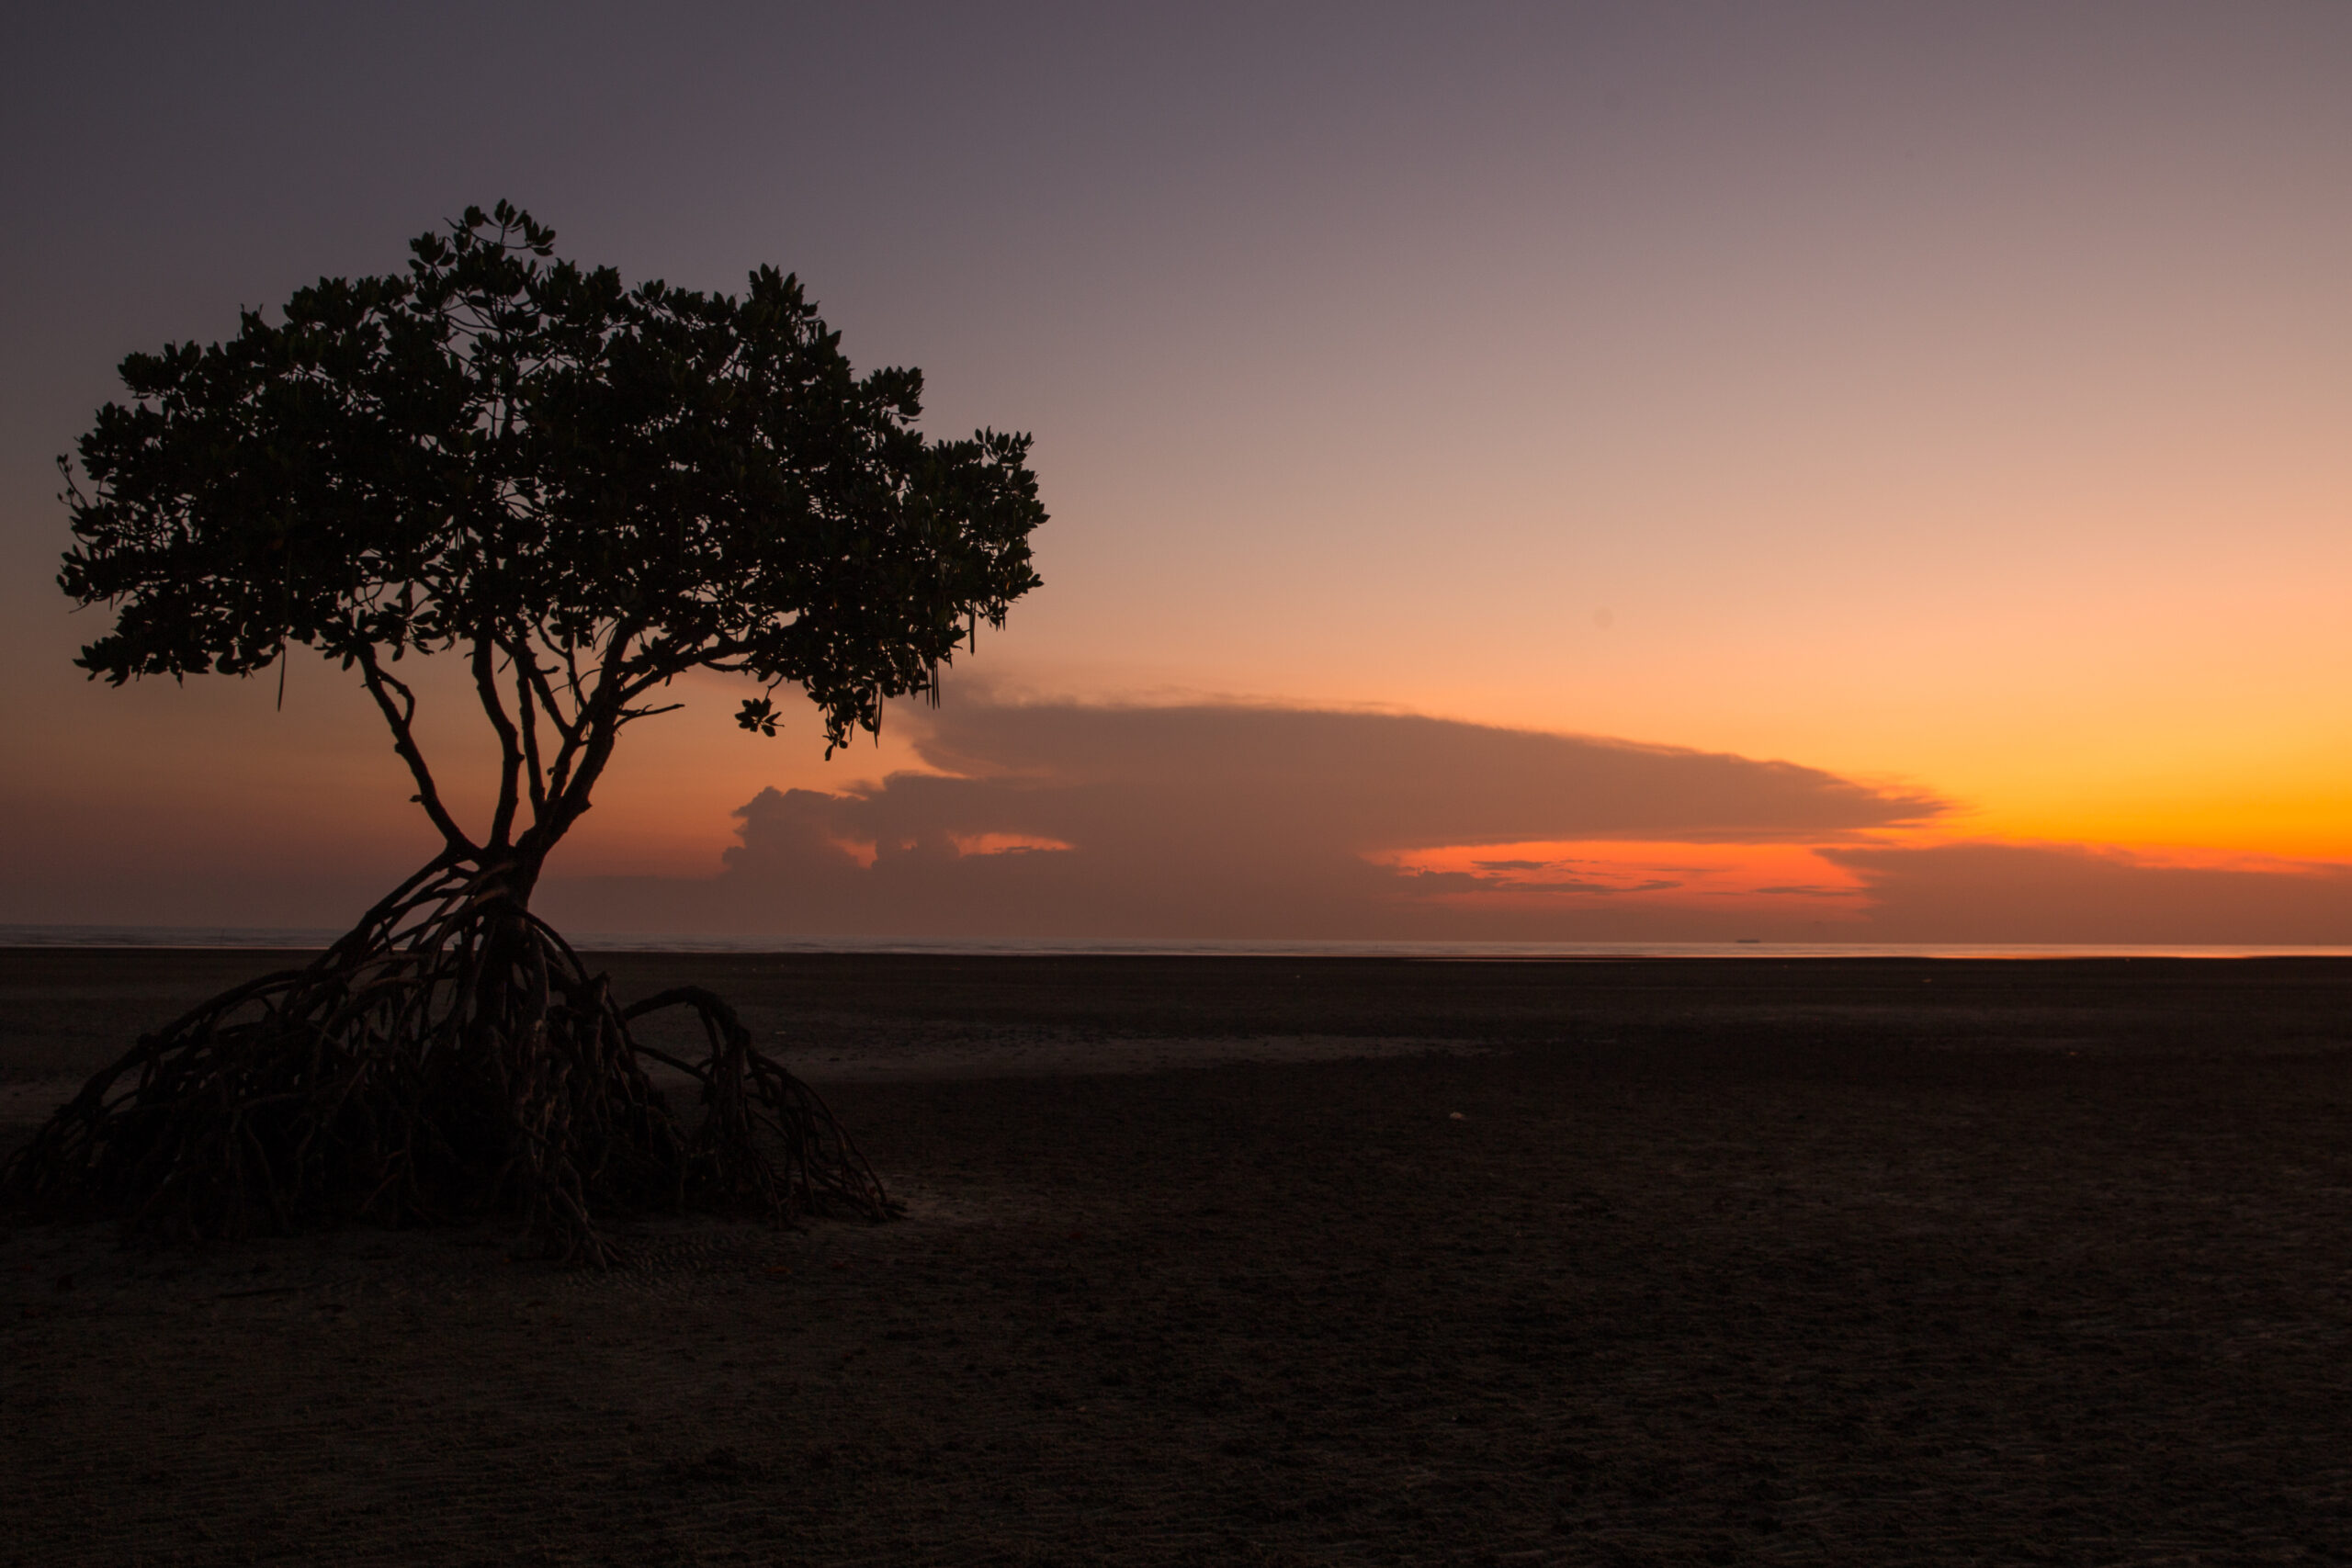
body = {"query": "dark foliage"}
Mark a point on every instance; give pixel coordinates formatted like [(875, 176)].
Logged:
[(587, 489)]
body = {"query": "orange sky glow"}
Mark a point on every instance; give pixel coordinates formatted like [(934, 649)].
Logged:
[(1780, 877), (1952, 403)]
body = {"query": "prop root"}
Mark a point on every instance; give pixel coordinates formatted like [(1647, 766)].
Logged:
[(450, 1057)]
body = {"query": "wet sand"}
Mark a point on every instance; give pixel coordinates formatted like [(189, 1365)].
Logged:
[(1277, 1260)]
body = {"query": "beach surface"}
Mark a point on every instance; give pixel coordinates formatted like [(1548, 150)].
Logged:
[(1290, 1260)]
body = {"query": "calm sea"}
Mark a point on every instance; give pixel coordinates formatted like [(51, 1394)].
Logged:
[(645, 942)]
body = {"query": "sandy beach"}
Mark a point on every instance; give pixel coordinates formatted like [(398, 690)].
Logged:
[(1277, 1260)]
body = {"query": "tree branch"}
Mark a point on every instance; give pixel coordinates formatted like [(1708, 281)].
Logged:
[(510, 746), (527, 666), (529, 711), (400, 715), (585, 753)]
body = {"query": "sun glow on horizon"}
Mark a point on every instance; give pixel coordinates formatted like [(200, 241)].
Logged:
[(1783, 879)]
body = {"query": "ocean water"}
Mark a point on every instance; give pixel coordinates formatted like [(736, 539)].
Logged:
[(300, 938)]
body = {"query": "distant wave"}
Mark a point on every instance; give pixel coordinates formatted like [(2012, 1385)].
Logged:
[(305, 937)]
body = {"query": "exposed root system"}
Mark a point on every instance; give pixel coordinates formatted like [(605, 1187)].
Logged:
[(450, 1057)]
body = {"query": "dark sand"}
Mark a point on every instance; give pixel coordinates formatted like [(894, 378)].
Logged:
[(1852, 1262)]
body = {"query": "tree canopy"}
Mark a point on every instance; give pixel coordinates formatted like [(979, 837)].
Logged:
[(586, 487)]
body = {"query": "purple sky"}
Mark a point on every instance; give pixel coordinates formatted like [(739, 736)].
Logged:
[(1949, 399)]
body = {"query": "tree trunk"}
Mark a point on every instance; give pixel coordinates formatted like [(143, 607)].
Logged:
[(449, 1058)]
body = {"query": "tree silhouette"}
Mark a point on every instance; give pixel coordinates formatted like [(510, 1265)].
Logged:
[(585, 490)]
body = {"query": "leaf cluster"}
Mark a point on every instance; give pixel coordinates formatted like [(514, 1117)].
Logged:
[(591, 486)]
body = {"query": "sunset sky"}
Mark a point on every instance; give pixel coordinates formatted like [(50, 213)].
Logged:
[(1562, 471)]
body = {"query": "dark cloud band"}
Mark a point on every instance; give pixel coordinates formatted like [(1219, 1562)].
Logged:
[(1237, 821)]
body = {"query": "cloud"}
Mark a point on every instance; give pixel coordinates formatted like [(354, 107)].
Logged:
[(1203, 821), (2024, 893), (1207, 820)]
